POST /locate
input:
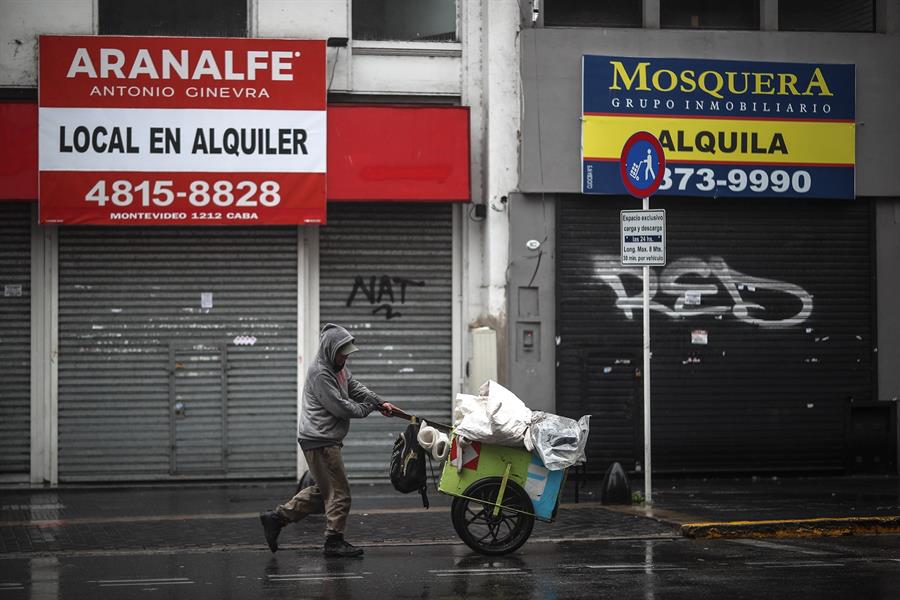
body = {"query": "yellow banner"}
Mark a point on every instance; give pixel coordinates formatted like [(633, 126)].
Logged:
[(725, 140)]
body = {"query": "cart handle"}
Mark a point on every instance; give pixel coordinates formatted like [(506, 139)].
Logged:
[(412, 419)]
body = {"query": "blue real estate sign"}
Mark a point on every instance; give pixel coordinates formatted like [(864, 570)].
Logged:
[(728, 128)]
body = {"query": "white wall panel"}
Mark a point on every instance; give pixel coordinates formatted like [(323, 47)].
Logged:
[(21, 21), (407, 68), (303, 19)]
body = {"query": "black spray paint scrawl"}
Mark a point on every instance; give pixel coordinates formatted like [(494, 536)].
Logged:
[(386, 285)]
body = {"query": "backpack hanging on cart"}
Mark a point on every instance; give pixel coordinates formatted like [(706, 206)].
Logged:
[(408, 464)]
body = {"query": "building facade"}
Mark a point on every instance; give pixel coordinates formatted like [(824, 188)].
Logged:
[(139, 352), (774, 337), (460, 245)]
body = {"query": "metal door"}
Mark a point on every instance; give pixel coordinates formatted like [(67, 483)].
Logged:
[(761, 328), (198, 400), (607, 387), (386, 275), (15, 338), (126, 295)]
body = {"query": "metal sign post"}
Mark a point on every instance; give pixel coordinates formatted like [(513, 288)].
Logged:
[(648, 487), (642, 166)]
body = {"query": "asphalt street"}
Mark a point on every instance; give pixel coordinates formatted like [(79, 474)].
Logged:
[(205, 541), (856, 567)]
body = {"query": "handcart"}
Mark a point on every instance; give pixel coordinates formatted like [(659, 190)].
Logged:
[(498, 492)]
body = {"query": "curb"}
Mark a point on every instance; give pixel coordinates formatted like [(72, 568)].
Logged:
[(821, 527)]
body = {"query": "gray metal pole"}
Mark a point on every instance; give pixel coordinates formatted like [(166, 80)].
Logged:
[(647, 484)]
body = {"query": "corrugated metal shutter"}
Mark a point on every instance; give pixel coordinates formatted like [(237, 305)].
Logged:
[(199, 398), (761, 329), (830, 15), (130, 296), (386, 275), (15, 337)]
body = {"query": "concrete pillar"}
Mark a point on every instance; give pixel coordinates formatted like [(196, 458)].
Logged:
[(491, 88), (651, 14), (44, 353), (502, 83), (768, 15), (887, 16)]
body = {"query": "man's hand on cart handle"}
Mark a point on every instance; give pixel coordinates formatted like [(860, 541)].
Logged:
[(388, 409), (398, 412)]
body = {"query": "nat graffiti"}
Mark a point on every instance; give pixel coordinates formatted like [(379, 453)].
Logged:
[(381, 291)]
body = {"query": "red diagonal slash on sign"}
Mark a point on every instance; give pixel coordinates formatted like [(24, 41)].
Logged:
[(470, 454)]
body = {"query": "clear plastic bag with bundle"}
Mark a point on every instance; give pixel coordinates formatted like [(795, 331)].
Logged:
[(559, 441)]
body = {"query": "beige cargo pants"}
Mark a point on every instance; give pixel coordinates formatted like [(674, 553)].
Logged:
[(330, 495)]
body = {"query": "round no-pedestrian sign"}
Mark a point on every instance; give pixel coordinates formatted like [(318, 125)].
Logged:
[(642, 164)]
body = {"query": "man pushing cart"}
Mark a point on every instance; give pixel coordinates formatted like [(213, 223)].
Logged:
[(498, 467), (505, 465)]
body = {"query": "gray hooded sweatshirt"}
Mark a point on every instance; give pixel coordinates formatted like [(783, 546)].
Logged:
[(331, 397)]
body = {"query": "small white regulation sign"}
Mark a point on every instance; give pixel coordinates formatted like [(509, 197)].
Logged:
[(643, 237)]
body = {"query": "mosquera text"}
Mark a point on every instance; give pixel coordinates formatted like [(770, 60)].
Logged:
[(645, 78)]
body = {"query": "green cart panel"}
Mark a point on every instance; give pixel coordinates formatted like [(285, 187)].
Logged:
[(480, 461), (488, 460)]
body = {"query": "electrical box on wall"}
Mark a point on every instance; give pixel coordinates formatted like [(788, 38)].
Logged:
[(528, 341), (483, 361)]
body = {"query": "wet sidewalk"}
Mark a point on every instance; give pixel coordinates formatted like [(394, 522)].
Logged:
[(772, 506), (184, 517), (203, 517)]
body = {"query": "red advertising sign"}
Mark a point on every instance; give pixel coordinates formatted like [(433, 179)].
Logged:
[(181, 131), (398, 153), (18, 151)]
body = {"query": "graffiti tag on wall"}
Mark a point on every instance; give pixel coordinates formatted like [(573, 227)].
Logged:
[(382, 294), (689, 297)]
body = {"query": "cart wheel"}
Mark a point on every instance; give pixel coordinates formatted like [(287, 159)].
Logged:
[(476, 524)]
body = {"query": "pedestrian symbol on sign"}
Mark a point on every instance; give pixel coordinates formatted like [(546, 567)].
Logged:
[(649, 173)]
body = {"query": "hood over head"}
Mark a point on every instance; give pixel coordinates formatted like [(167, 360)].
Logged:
[(332, 338)]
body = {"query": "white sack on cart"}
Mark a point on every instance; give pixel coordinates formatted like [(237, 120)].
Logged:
[(497, 416), (559, 441)]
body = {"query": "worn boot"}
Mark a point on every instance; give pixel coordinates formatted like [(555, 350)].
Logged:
[(336, 546), (272, 523)]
